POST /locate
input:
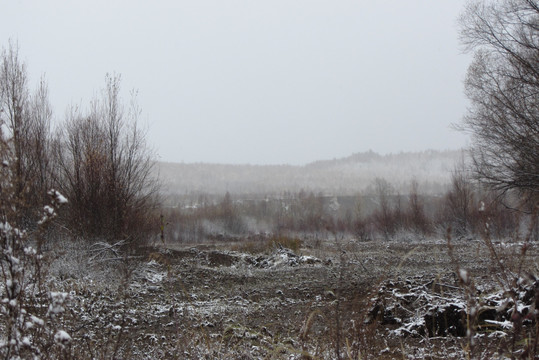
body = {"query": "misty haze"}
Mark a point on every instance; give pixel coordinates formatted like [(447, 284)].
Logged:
[(269, 179)]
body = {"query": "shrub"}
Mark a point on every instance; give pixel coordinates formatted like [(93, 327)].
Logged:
[(103, 165)]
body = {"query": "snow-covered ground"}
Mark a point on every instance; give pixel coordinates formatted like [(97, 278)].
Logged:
[(376, 300)]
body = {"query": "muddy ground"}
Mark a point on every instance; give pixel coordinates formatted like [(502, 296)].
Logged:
[(328, 299)]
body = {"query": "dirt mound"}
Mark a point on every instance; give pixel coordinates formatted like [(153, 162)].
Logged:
[(280, 257)]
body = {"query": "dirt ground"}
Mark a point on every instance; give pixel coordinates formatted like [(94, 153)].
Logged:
[(329, 299)]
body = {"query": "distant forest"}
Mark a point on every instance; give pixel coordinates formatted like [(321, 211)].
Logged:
[(345, 176)]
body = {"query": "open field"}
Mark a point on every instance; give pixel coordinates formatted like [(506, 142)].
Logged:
[(251, 299)]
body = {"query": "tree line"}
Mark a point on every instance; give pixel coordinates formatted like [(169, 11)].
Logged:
[(466, 210)]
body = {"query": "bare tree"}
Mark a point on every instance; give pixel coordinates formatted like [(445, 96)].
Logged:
[(459, 204), (37, 145), (385, 216), (418, 220), (14, 84), (105, 167), (26, 117), (22, 264), (79, 171), (503, 87)]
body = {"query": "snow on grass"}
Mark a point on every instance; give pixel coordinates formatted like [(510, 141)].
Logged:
[(62, 338)]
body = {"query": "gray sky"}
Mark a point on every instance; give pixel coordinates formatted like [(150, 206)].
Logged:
[(257, 81)]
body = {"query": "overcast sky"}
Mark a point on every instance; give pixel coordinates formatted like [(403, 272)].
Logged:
[(257, 81)]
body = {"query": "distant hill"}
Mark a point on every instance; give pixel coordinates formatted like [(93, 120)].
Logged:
[(346, 176)]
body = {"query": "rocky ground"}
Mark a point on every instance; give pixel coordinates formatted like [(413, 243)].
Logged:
[(329, 299)]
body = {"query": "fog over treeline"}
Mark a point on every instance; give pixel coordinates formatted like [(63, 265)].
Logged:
[(345, 176)]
